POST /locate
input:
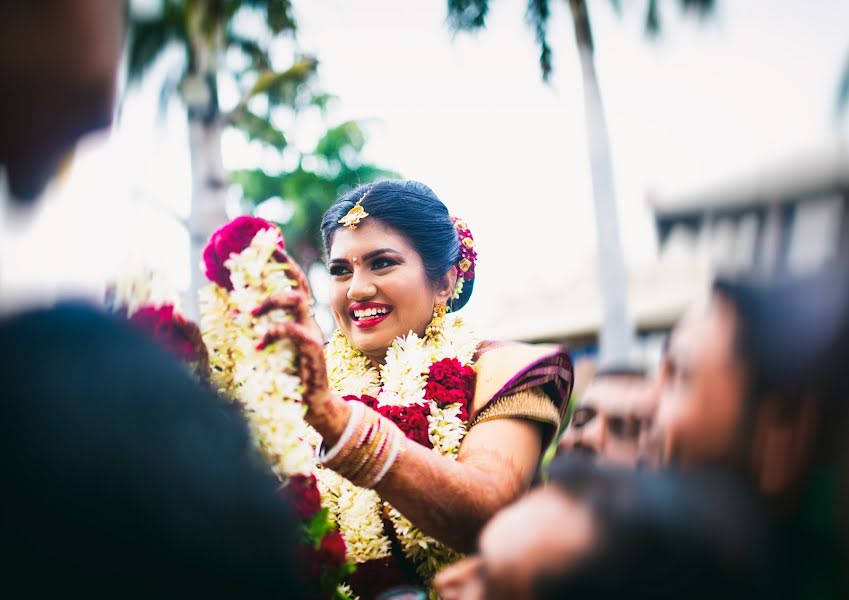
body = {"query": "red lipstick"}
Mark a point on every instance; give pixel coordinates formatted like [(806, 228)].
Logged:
[(368, 314)]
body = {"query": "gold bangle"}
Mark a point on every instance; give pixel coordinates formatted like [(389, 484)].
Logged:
[(350, 445), (395, 447), (378, 458), (360, 456), (368, 449)]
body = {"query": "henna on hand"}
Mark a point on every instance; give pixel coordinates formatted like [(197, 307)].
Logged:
[(292, 301), (325, 411)]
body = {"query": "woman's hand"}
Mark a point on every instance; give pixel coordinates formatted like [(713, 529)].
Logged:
[(325, 411)]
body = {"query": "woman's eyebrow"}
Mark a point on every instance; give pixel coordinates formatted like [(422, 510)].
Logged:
[(378, 252)]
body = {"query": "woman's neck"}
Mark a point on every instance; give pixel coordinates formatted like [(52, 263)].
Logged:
[(376, 359)]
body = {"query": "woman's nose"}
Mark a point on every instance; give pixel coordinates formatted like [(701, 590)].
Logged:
[(362, 287)]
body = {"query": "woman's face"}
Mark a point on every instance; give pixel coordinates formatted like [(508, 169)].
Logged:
[(379, 289), (699, 389)]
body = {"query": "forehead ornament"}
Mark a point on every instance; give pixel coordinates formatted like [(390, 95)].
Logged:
[(355, 215)]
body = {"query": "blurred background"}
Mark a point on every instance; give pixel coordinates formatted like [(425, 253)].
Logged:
[(686, 136)]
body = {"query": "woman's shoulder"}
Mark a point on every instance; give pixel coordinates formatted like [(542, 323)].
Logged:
[(505, 367), (502, 354), (521, 381)]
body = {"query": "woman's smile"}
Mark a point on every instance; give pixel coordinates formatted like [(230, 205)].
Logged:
[(368, 314)]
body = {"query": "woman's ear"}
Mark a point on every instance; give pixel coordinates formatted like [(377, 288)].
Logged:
[(445, 286)]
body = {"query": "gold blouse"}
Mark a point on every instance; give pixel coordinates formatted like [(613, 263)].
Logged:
[(532, 404)]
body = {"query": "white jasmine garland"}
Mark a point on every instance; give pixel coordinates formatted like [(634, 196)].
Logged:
[(400, 381), (265, 382)]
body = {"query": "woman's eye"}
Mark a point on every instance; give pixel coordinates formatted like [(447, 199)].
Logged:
[(381, 263), (339, 271)]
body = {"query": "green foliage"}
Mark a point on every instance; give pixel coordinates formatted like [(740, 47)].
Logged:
[(206, 30), (333, 167), (318, 527), (259, 129), (467, 15), (470, 15)]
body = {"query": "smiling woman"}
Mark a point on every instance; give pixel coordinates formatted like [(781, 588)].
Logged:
[(400, 379)]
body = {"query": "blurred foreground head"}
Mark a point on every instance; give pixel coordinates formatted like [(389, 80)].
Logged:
[(755, 379), (121, 477), (606, 532), (58, 67), (613, 412)]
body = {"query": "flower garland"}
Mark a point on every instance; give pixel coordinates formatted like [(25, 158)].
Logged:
[(425, 386), (244, 261)]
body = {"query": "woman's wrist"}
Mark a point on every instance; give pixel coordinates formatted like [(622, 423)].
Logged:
[(331, 420)]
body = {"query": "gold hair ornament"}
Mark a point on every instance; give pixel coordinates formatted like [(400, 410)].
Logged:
[(355, 215)]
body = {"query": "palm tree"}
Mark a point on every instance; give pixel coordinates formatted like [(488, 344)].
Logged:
[(333, 167), (616, 335), (207, 33)]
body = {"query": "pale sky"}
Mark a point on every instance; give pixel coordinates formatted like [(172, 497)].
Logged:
[(470, 116)]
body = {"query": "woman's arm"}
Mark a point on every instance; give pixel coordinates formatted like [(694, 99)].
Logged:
[(452, 500), (447, 499)]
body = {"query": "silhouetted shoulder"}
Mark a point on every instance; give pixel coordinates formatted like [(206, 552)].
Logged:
[(120, 470)]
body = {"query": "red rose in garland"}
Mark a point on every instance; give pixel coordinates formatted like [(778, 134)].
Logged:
[(232, 238), (369, 401), (333, 549), (302, 493), (412, 420), (178, 335), (450, 382)]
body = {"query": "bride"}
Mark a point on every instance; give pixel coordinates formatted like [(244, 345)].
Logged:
[(427, 432)]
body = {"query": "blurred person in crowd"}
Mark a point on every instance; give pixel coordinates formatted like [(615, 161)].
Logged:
[(602, 531), (753, 380), (120, 476), (58, 65), (123, 478), (613, 412)]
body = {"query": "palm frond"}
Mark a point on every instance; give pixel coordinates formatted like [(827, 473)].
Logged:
[(278, 16), (702, 8), (467, 15), (537, 16), (652, 21), (250, 49), (148, 39), (843, 91), (259, 129), (282, 87)]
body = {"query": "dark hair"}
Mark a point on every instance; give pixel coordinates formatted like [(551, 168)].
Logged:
[(413, 210), (621, 371), (662, 535), (122, 477), (792, 335)]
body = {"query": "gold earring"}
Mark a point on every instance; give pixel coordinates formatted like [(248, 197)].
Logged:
[(437, 323)]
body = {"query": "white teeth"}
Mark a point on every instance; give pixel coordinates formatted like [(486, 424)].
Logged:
[(370, 312)]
